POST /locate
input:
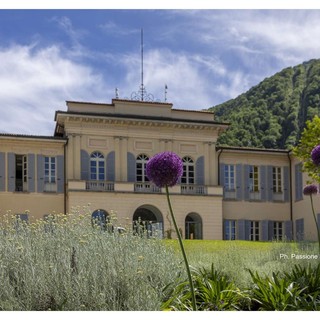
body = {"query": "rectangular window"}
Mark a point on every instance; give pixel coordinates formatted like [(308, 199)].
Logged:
[(298, 182), (253, 178), (21, 167), (230, 230), (49, 169), (277, 179), (278, 230), (229, 177), (300, 229), (254, 231)]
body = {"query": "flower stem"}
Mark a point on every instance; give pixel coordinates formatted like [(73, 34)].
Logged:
[(194, 306), (315, 220)]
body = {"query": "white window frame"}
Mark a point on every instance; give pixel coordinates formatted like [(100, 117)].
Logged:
[(188, 171), (229, 180), (141, 163), (254, 178), (254, 231), (231, 226), (277, 179), (97, 158), (50, 173), (278, 230)]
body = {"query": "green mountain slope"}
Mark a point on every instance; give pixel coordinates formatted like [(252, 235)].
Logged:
[(273, 113)]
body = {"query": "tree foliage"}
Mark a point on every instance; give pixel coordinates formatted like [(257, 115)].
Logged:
[(273, 113), (310, 138)]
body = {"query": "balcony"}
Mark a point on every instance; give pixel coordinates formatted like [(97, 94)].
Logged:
[(146, 187), (230, 194), (99, 186), (193, 189), (254, 196), (142, 187), (278, 196)]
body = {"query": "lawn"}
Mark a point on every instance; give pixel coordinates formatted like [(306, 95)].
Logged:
[(236, 257), (68, 263)]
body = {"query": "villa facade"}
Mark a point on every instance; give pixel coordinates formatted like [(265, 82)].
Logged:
[(98, 154)]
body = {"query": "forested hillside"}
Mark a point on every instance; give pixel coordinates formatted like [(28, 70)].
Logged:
[(273, 113)]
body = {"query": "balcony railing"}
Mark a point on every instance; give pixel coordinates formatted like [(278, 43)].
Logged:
[(146, 187), (230, 194), (50, 187), (99, 186), (142, 187), (278, 196), (193, 189), (254, 195)]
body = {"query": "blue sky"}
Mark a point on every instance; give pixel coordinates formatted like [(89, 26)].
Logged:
[(205, 57)]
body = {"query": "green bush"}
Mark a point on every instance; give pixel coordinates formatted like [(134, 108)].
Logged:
[(65, 263), (295, 290), (214, 292)]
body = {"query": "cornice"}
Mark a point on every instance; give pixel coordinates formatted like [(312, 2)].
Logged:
[(159, 123)]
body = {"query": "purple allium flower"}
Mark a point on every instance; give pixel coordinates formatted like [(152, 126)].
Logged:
[(315, 155), (310, 189), (164, 168)]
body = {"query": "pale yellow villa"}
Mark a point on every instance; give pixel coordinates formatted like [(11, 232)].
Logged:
[(98, 154)]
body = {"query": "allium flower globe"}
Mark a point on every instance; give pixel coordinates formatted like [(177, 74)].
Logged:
[(310, 189), (315, 155), (164, 169)]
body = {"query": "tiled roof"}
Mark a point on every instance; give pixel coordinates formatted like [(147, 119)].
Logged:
[(28, 136), (252, 149)]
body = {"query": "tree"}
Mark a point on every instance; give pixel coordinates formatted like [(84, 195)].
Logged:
[(310, 138)]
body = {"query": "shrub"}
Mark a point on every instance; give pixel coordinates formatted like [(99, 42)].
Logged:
[(296, 290), (65, 263), (214, 292)]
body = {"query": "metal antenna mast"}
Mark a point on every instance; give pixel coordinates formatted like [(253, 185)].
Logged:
[(142, 86), (142, 94)]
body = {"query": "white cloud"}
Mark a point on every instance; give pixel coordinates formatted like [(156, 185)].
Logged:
[(34, 83), (187, 87)]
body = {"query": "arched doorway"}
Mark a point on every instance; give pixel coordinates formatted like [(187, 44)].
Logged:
[(148, 219), (100, 218), (193, 226)]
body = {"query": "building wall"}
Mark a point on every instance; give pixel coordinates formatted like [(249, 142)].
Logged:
[(124, 206), (264, 207), (33, 195), (303, 220), (124, 130)]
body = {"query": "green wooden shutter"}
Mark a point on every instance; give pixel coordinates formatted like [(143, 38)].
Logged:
[(286, 185), (200, 171), (40, 173), (111, 166), (263, 183), (131, 166), (85, 159), (239, 182), (31, 172), (2, 171), (11, 172), (60, 174)]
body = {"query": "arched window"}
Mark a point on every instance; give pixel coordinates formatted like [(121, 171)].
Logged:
[(188, 171), (193, 226), (100, 218), (141, 163), (97, 166)]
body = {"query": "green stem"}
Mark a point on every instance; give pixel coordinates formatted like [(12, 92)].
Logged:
[(315, 220), (194, 306)]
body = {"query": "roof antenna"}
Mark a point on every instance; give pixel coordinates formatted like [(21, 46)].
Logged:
[(142, 94), (165, 92), (142, 88)]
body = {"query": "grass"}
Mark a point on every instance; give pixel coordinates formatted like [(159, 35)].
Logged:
[(65, 263), (235, 258)]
